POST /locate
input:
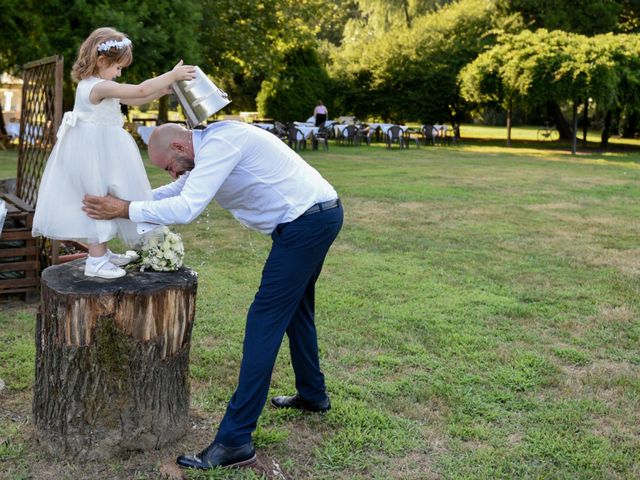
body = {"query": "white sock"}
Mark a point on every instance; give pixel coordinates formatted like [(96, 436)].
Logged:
[(95, 260)]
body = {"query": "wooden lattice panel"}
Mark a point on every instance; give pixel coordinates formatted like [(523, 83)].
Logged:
[(39, 122)]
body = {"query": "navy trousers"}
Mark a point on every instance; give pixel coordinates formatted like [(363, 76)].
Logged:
[(284, 303)]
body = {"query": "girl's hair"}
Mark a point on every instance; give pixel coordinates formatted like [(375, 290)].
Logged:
[(95, 47)]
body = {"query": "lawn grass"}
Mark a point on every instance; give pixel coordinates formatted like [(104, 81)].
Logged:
[(477, 318)]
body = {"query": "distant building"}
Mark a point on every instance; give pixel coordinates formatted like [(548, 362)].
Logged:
[(10, 97)]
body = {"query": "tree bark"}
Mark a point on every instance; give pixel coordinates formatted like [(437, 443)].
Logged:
[(606, 130), (112, 361), (553, 110), (163, 110), (3, 128), (407, 16), (585, 125), (630, 126), (574, 133), (509, 114)]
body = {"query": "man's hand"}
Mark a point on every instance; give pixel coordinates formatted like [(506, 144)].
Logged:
[(105, 208)]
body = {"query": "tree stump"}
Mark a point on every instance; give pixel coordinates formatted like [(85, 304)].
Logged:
[(112, 361)]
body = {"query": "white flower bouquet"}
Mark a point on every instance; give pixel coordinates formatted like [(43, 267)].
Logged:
[(162, 251)]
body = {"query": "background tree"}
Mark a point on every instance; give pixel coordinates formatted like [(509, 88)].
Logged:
[(17, 22), (624, 52), (541, 67), (588, 17), (162, 32), (293, 92), (485, 82), (411, 73), (386, 15), (245, 42), (396, 60)]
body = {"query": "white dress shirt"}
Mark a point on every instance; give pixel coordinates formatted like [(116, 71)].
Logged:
[(248, 171)]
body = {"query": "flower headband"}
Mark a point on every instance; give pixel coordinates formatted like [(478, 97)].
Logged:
[(119, 44)]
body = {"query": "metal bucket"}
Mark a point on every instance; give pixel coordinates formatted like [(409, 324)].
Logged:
[(200, 98)]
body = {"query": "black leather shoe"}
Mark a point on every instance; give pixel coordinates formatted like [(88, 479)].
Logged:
[(217, 455), (301, 404)]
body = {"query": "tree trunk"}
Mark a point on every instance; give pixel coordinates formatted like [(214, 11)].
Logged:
[(163, 110), (585, 124), (112, 361), (574, 134), (509, 110), (68, 95), (456, 121), (407, 17), (630, 125), (606, 130), (3, 128), (553, 110)]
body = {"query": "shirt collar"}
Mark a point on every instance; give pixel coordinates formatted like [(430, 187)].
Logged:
[(196, 139), (198, 134)]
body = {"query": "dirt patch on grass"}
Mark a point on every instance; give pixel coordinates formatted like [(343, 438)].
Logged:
[(380, 216), (604, 380), (626, 261), (619, 313), (30, 461), (607, 316), (415, 466), (610, 383), (554, 206), (588, 239)]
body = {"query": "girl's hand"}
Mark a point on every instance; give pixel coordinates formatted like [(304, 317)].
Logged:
[(183, 72)]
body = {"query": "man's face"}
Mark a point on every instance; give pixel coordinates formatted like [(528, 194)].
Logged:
[(179, 165), (175, 163)]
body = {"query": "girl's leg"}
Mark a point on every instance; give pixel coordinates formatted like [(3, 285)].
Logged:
[(100, 249), (99, 263), (97, 249)]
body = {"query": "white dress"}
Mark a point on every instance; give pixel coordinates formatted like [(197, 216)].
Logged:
[(93, 155)]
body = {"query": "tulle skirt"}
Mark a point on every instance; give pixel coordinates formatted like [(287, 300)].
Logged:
[(93, 159)]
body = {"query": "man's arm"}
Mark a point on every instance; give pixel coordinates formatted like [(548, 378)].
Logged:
[(105, 208), (178, 202), (216, 159), (170, 189), (109, 207)]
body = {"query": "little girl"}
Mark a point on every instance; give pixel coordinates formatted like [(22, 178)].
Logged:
[(95, 155)]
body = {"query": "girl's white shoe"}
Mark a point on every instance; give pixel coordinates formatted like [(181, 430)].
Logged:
[(119, 259), (103, 268)]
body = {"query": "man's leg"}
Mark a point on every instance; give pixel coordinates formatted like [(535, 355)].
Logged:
[(279, 293), (303, 346), (296, 257)]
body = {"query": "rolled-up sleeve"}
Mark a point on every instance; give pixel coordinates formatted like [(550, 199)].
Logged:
[(183, 200)]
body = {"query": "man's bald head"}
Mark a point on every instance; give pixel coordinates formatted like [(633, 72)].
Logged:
[(171, 148), (161, 139)]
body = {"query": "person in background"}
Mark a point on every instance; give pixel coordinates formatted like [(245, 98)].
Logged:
[(320, 112)]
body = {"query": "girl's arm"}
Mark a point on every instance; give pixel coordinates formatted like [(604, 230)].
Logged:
[(124, 91), (142, 100)]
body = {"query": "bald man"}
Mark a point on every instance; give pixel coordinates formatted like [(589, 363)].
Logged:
[(269, 188)]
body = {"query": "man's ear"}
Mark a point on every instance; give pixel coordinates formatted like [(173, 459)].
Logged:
[(177, 147)]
